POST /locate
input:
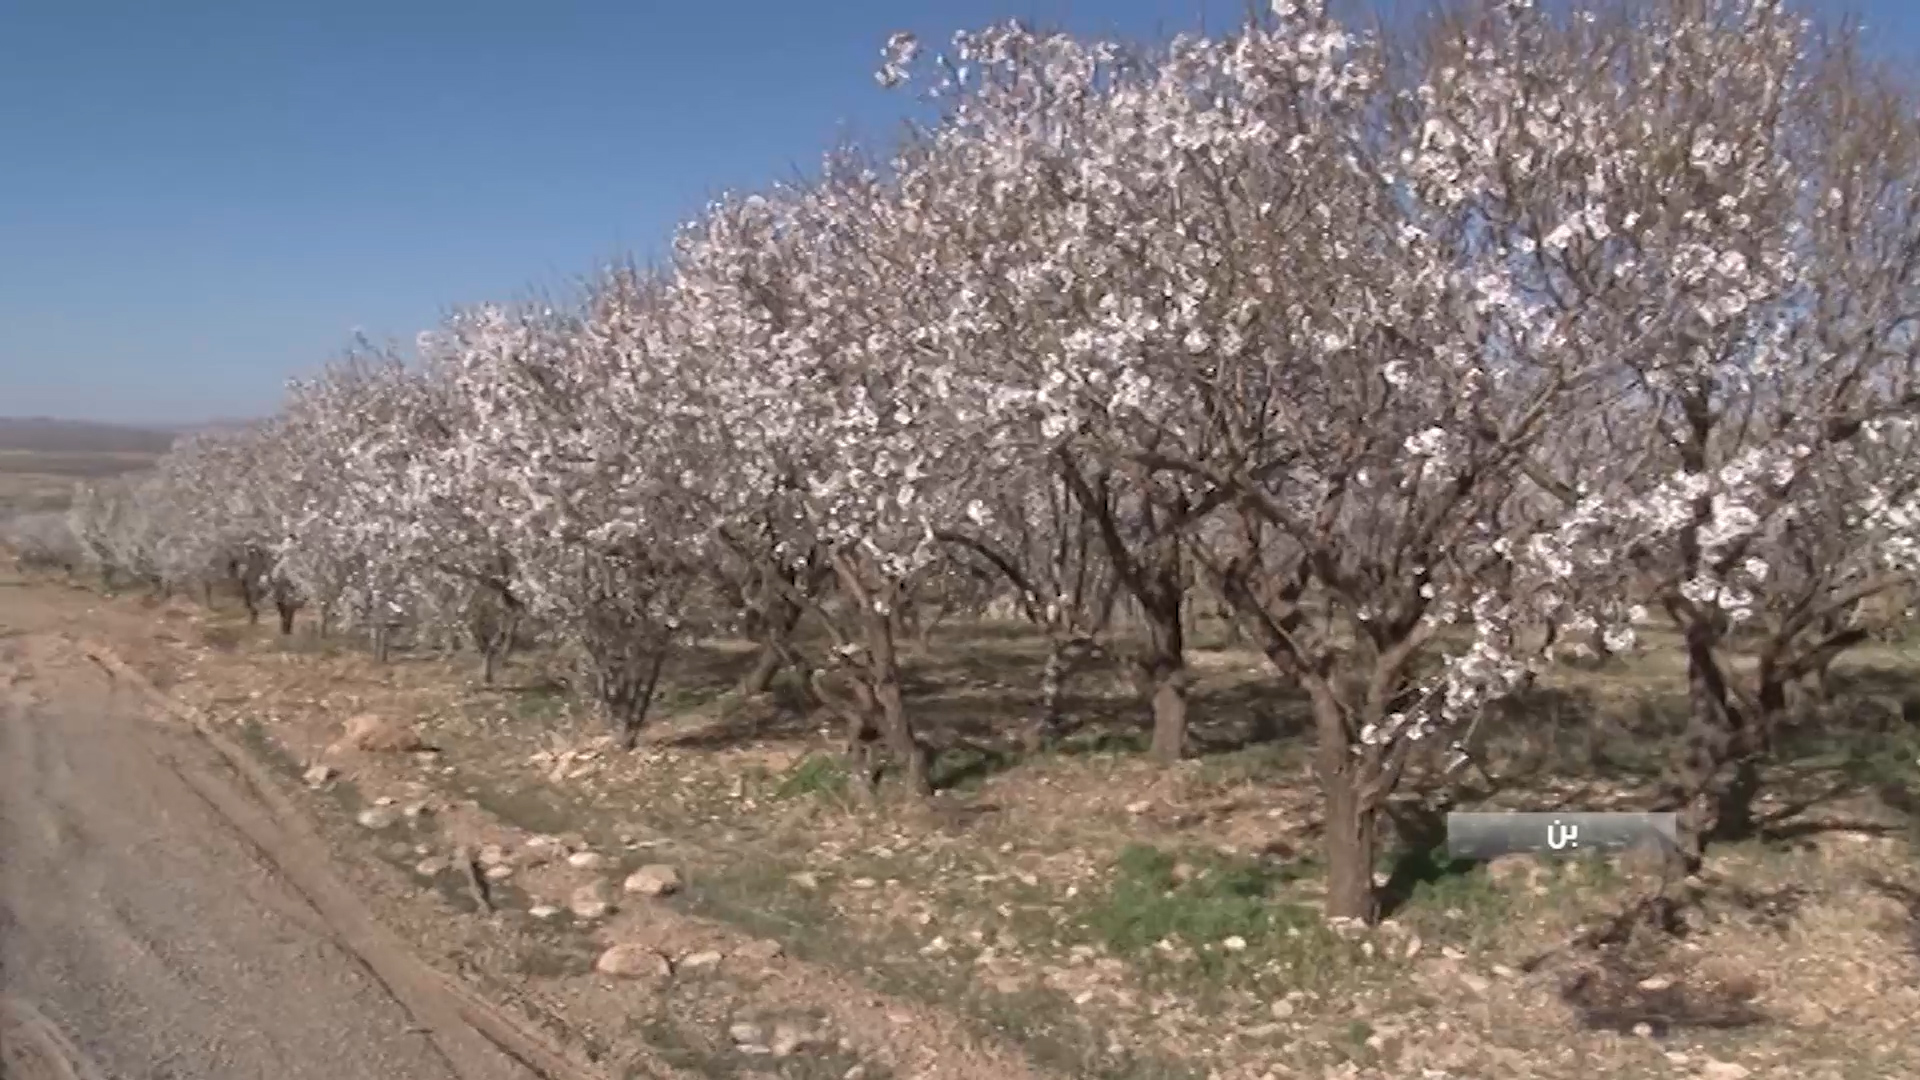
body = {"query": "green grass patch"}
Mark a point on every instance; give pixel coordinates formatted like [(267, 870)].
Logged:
[(1200, 899), (816, 774)]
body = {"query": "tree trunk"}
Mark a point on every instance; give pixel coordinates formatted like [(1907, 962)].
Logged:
[(1163, 678), (287, 609), (1714, 788), (1351, 824), (759, 678), (896, 728), (878, 608), (499, 642), (635, 714), (1046, 726), (776, 632)]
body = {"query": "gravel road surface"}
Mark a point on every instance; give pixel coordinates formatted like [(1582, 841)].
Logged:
[(141, 934)]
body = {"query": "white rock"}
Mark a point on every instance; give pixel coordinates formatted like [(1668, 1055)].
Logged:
[(430, 867), (633, 962), (380, 734), (492, 855), (706, 958), (586, 860), (499, 873), (318, 775), (760, 949), (657, 879), (589, 901), (1655, 983), (385, 800), (1723, 1070), (377, 817), (805, 879), (1263, 1031), (543, 911), (744, 1034), (789, 1039)]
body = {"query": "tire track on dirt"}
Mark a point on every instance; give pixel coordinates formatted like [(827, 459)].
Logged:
[(480, 1040), (33, 1047)]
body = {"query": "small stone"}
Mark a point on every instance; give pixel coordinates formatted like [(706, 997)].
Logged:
[(1413, 947), (1263, 1031), (589, 901), (380, 734), (492, 855), (863, 883), (1281, 1009), (761, 950), (415, 810), (1476, 983), (744, 1034), (1236, 943), (586, 860), (1643, 1029), (430, 867), (805, 879), (1655, 983), (705, 958), (543, 911), (377, 817), (657, 879), (499, 873), (1452, 953), (1723, 1070), (789, 1039), (385, 800), (318, 775), (633, 962), (1140, 807), (1503, 971)]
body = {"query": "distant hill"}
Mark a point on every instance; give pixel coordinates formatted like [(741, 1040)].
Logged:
[(41, 434)]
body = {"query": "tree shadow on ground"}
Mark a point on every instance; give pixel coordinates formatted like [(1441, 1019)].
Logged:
[(1578, 732), (1419, 836), (1906, 896), (1621, 993)]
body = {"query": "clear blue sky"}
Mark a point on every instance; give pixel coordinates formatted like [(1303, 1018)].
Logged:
[(199, 199)]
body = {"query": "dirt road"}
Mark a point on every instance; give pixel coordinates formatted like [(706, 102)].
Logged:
[(142, 935)]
